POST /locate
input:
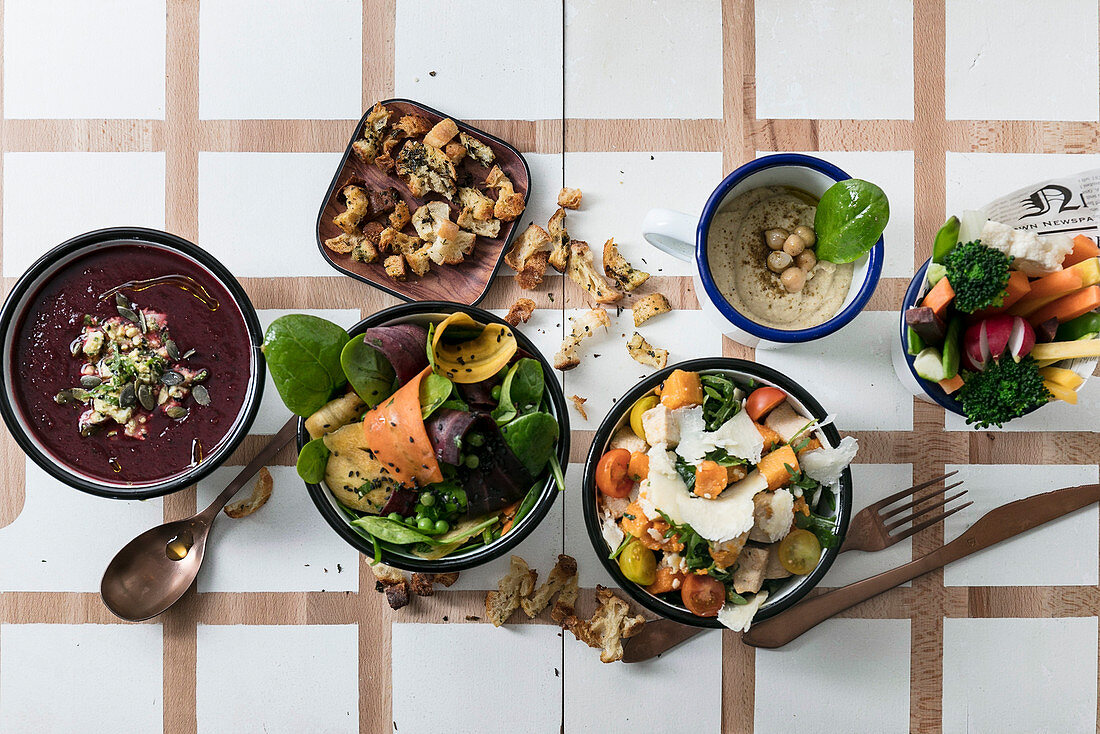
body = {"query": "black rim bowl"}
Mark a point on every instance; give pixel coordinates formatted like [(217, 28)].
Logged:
[(795, 589), (335, 516), (11, 314)]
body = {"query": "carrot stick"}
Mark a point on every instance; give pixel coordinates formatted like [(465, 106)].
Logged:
[(1068, 307), (939, 297), (952, 384), (1083, 249)]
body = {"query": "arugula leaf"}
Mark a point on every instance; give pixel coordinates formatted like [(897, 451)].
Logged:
[(721, 400), (303, 357), (686, 472), (622, 546)]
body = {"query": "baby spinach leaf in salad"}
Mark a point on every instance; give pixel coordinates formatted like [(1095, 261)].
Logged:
[(521, 390), (312, 460), (368, 371), (851, 216), (303, 356), (532, 438), (434, 391)]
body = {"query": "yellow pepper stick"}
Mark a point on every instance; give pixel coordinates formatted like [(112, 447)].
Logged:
[(477, 359)]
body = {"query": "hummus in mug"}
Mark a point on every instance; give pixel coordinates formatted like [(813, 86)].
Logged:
[(738, 255)]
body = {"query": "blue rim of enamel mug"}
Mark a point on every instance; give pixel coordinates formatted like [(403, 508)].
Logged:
[(931, 389), (874, 266)]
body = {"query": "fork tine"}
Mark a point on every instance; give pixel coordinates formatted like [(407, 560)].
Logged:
[(927, 523), (906, 492), (918, 500), (921, 512)]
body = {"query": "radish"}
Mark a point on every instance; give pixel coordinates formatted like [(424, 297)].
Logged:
[(991, 338)]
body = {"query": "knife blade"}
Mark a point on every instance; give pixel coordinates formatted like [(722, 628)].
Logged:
[(657, 636), (997, 525)]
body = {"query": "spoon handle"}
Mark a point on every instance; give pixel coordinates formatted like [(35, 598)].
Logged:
[(260, 460)]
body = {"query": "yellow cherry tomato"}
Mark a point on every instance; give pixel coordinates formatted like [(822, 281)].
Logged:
[(636, 412), (799, 552), (638, 563)]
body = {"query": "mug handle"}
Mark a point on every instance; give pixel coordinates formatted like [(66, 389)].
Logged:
[(672, 232)]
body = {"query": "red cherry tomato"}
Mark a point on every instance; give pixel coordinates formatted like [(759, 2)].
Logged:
[(611, 473), (764, 400), (703, 595)]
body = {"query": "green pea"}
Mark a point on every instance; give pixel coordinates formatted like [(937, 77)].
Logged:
[(495, 392), (441, 526), (396, 517), (427, 500), (425, 525), (472, 461), (476, 439)]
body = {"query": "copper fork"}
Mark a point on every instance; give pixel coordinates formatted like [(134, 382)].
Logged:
[(872, 527)]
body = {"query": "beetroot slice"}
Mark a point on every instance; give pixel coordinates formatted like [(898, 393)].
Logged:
[(404, 345)]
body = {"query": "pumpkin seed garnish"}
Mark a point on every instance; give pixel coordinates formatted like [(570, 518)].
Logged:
[(145, 397), (129, 315), (201, 395), (171, 377), (128, 396), (122, 300), (76, 347), (64, 397), (141, 322), (176, 412), (90, 381), (188, 354), (173, 352)]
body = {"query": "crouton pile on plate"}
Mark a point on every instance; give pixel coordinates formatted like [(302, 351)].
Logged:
[(462, 207)]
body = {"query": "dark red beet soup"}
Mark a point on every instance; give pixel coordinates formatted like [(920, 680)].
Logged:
[(104, 372)]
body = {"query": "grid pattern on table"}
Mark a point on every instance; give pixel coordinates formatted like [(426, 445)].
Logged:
[(599, 119)]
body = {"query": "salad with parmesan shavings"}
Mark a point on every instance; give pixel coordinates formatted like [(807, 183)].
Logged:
[(716, 492)]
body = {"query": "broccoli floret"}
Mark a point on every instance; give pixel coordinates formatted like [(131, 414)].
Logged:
[(978, 275), (1006, 389)]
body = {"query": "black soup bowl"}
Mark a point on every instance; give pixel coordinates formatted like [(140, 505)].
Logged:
[(742, 372), (422, 313), (206, 310)]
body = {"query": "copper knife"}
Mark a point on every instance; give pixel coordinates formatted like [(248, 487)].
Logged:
[(999, 524)]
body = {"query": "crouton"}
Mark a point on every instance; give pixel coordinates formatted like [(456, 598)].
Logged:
[(583, 273), (569, 198), (400, 216), (358, 207), (383, 201), (426, 219), (368, 247), (477, 150), (454, 152), (649, 306), (395, 267), (454, 249), (559, 235), (645, 353), (748, 576), (444, 579), (618, 269), (564, 570), (608, 626), (578, 405), (261, 493), (413, 125), (421, 584), (392, 581), (447, 230), (366, 148), (584, 326), (425, 168), (516, 584), (565, 604), (484, 227), (480, 205), (442, 133), (528, 256), (419, 260), (392, 240), (344, 243), (509, 203), (520, 311)]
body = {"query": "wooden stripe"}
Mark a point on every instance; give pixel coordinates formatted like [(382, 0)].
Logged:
[(779, 135), (84, 135), (650, 135)]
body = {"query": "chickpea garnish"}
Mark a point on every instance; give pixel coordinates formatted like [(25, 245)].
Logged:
[(793, 279), (806, 260), (775, 238), (807, 234), (794, 245), (779, 261)]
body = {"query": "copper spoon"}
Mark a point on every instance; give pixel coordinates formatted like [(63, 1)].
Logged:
[(153, 570)]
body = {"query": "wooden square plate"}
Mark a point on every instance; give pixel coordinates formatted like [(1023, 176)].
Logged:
[(466, 282)]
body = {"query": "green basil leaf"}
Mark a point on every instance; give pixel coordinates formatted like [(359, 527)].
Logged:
[(312, 460), (368, 371), (303, 357), (391, 531), (532, 438), (850, 218), (434, 391)]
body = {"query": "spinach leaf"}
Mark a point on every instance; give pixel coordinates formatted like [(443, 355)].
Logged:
[(532, 438), (434, 391), (303, 357), (391, 531), (312, 460), (458, 536), (371, 375), (850, 218), (521, 390), (455, 404), (528, 502)]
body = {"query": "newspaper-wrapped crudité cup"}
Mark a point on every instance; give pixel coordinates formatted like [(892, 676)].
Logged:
[(992, 346)]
